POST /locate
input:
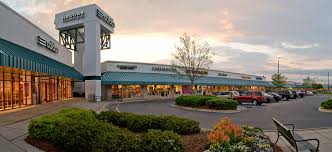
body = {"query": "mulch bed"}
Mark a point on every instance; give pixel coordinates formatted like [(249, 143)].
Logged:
[(44, 145), (191, 143)]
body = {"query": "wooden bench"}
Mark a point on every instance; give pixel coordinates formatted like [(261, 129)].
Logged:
[(294, 139)]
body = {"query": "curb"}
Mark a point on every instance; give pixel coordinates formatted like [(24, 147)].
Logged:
[(206, 110), (324, 110)]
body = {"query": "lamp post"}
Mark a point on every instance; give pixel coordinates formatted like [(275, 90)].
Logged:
[(278, 58)]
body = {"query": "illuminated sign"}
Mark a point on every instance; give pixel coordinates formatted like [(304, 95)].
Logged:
[(222, 74), (105, 18), (73, 16), (163, 69), (246, 77), (47, 44), (127, 67)]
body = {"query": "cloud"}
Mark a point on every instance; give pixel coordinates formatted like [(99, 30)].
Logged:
[(295, 46)]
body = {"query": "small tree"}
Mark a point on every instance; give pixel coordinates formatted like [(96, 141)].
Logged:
[(279, 80), (192, 58), (317, 86), (308, 82)]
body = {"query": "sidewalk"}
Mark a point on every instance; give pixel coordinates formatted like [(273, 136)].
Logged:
[(323, 135), (14, 124)]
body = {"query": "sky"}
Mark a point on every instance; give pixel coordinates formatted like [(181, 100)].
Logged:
[(246, 35)]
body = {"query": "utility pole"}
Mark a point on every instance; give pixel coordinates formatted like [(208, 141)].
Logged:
[(328, 81), (278, 58)]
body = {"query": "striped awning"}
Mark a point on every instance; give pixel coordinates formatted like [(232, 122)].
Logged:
[(134, 78), (15, 56)]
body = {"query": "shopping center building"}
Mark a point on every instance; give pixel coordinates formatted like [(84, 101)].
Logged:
[(35, 68)]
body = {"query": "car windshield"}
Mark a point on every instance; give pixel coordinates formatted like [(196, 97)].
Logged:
[(236, 93)]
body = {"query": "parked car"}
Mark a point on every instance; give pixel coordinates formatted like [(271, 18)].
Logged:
[(228, 94), (295, 94), (285, 94), (309, 93), (276, 97), (257, 98), (301, 94), (268, 97)]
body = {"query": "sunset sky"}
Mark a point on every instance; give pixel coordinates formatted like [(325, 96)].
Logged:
[(246, 35)]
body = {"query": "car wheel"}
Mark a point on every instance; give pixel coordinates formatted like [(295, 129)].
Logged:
[(259, 103), (255, 102), (268, 100), (284, 98)]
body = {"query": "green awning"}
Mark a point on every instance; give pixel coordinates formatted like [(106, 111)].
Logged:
[(134, 78), (15, 56)]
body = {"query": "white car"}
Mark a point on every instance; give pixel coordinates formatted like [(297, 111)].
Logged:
[(309, 93), (228, 94)]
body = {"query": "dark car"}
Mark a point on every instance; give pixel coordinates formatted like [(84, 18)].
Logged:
[(295, 94), (285, 94), (255, 97), (276, 97), (301, 94)]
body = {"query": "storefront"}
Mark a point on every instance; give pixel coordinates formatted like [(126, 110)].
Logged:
[(34, 68), (146, 80)]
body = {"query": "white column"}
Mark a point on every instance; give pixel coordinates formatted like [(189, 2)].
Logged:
[(91, 65)]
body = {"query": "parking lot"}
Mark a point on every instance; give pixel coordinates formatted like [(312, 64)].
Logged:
[(303, 112)]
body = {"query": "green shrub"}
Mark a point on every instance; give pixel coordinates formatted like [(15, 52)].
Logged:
[(222, 104), (327, 104), (44, 126), (161, 141), (80, 135), (193, 100), (181, 126), (142, 123)]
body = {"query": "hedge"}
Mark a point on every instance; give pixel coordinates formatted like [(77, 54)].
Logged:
[(193, 100), (80, 130), (142, 123), (211, 101), (327, 104), (222, 104)]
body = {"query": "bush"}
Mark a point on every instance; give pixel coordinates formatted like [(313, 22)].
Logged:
[(161, 141), (193, 100), (222, 104), (327, 104), (142, 123), (44, 126)]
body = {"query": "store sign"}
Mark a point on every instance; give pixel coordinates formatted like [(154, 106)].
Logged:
[(246, 77), (105, 18), (47, 44), (127, 67), (163, 69), (259, 78), (73, 16), (222, 74), (200, 72)]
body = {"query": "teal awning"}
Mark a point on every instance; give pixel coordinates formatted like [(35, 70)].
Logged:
[(15, 56), (132, 78)]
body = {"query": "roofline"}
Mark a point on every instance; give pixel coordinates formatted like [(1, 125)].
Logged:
[(28, 21), (108, 61)]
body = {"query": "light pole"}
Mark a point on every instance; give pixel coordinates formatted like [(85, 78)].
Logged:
[(278, 58), (328, 81)]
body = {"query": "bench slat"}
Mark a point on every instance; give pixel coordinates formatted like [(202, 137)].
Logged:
[(305, 145)]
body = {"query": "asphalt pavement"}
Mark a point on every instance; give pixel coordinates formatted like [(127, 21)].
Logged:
[(303, 112)]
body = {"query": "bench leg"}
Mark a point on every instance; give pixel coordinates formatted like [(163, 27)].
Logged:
[(277, 138)]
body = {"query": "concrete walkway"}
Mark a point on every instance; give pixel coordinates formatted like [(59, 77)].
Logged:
[(14, 124), (323, 135)]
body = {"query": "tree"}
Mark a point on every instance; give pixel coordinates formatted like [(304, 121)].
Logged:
[(192, 58), (308, 82), (279, 80), (317, 86)]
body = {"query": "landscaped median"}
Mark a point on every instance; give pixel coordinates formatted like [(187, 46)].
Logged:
[(326, 106), (84, 130), (206, 103)]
